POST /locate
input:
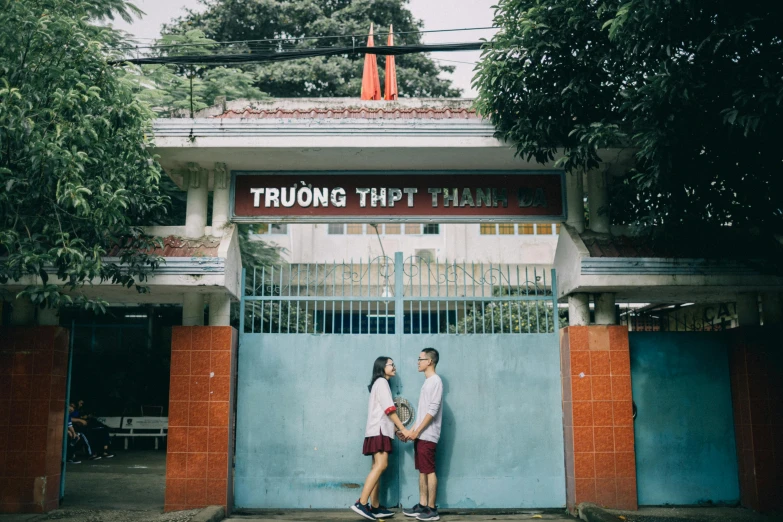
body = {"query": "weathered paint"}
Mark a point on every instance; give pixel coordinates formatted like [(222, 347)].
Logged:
[(685, 450), (302, 402)]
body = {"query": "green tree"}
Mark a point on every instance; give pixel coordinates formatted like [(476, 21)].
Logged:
[(494, 317), (301, 23), (167, 88), (695, 88), (76, 174)]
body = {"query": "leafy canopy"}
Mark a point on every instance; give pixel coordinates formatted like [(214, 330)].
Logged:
[(167, 88), (76, 175), (695, 88), (343, 22)]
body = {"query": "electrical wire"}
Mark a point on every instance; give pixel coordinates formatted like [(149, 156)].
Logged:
[(280, 56), (286, 40)]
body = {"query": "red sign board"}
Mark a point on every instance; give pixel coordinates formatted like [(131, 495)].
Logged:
[(466, 197)]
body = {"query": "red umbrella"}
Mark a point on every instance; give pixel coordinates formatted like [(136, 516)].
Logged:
[(371, 85), (390, 87)]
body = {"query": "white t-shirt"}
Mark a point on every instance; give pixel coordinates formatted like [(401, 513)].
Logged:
[(430, 402), (379, 407)]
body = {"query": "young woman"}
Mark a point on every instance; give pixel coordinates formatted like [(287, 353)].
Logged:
[(381, 421)]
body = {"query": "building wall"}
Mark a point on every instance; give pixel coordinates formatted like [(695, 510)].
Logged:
[(307, 243)]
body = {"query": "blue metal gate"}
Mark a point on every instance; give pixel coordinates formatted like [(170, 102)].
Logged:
[(309, 336)]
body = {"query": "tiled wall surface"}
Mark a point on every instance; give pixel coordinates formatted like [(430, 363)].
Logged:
[(201, 405), (33, 370), (756, 367), (598, 416)]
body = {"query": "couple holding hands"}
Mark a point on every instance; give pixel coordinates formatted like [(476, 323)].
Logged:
[(383, 423)]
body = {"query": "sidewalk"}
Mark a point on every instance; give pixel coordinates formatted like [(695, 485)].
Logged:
[(451, 515), (592, 513)]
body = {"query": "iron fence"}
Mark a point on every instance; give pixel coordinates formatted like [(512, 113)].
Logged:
[(412, 295)]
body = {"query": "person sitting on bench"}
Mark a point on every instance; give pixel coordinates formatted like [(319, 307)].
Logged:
[(83, 423)]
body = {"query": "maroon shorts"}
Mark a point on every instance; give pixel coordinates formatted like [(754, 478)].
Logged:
[(375, 444), (424, 455)]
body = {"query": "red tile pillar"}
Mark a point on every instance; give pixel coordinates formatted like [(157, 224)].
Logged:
[(756, 367), (33, 372), (598, 416), (201, 408)]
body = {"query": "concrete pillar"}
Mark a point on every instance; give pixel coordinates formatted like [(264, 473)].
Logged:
[(22, 312), (193, 309), (748, 309), (772, 308), (220, 200), (578, 310), (576, 205), (49, 316), (219, 310), (196, 184), (598, 201), (605, 312)]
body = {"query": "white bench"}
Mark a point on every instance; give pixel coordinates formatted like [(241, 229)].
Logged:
[(128, 427)]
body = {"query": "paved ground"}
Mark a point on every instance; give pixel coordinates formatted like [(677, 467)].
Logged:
[(446, 515), (693, 514), (134, 480)]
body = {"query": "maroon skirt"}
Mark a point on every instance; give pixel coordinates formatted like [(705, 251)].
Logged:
[(375, 444)]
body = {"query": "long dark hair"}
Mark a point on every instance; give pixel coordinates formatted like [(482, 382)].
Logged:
[(378, 370)]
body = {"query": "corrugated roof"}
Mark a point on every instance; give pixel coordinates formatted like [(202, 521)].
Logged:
[(390, 113)]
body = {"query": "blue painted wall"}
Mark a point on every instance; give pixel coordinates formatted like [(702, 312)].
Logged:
[(301, 411), (685, 450)]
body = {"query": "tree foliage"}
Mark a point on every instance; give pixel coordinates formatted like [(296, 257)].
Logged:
[(303, 24), (76, 174), (168, 88), (695, 88)]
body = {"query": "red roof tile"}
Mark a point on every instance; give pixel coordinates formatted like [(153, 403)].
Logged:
[(175, 246), (396, 113)]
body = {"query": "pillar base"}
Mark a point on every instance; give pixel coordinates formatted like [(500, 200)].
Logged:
[(201, 407), (598, 417)]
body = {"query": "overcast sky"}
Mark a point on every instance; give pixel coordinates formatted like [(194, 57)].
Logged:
[(436, 14)]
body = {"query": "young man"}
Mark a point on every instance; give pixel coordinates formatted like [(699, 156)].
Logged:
[(426, 435)]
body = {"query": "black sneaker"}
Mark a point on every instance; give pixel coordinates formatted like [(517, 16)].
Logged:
[(414, 512), (108, 455), (429, 514), (94, 457), (381, 512), (363, 510)]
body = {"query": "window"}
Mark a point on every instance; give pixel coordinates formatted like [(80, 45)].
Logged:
[(355, 228), (544, 229), (391, 228), (526, 229), (412, 228), (335, 229), (487, 229), (506, 229), (432, 229), (267, 228), (557, 229)]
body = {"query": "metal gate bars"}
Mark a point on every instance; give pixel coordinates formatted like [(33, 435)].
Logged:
[(412, 295)]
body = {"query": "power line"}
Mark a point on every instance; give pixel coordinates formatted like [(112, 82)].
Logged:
[(280, 56), (285, 40)]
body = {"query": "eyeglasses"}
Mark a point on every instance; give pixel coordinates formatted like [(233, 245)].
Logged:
[(391, 364), (424, 360)]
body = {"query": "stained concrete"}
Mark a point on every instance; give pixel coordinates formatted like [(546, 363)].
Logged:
[(447, 515), (132, 480)]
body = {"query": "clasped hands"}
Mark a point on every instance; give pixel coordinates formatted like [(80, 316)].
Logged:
[(407, 435)]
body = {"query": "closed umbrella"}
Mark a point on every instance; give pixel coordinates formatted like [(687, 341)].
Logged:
[(371, 85), (390, 87)]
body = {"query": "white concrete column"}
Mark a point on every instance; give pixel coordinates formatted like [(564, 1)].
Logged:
[(220, 199), (605, 312), (598, 200), (22, 312), (49, 316), (196, 180), (575, 194), (219, 310), (748, 309), (772, 308), (578, 310), (193, 309)]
